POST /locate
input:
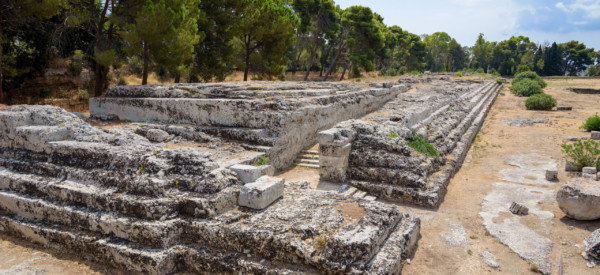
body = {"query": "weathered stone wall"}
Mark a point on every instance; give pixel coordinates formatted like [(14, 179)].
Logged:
[(380, 161), (122, 199), (294, 112)]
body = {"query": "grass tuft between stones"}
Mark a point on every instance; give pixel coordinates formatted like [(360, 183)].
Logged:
[(422, 146)]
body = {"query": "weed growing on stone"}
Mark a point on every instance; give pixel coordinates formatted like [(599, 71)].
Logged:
[(320, 242), (422, 146), (154, 152), (534, 268), (583, 153), (392, 135), (592, 123), (262, 161)]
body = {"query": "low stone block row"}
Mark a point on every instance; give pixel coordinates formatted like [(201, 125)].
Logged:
[(380, 160)]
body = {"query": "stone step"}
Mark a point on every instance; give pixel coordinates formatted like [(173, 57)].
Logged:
[(155, 234), (310, 152), (174, 259), (308, 156), (111, 200), (307, 161), (131, 180), (312, 166)]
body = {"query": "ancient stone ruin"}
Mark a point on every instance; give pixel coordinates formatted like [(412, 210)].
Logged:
[(182, 178)]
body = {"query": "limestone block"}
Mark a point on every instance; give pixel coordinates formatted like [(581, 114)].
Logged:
[(589, 170), (571, 167), (572, 138), (153, 135), (388, 84), (552, 174), (250, 173), (596, 135), (580, 199), (261, 193), (518, 209), (592, 244), (334, 151)]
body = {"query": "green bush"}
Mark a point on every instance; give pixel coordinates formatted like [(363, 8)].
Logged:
[(122, 81), (543, 102), (458, 74), (522, 68), (422, 146), (499, 81), (583, 153), (76, 65), (592, 123), (530, 75), (135, 65), (526, 87)]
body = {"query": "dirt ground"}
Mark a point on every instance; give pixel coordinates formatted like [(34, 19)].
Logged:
[(452, 237)]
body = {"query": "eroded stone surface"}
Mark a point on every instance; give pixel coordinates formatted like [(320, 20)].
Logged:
[(592, 244), (381, 162), (529, 243), (157, 208), (580, 199)]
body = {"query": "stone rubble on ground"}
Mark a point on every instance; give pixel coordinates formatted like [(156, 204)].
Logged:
[(518, 209)]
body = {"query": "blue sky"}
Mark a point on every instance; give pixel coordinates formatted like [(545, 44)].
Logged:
[(541, 20)]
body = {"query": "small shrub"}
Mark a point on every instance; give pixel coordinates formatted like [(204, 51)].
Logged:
[(592, 123), (76, 65), (415, 73), (526, 87), (422, 146), (135, 65), (83, 93), (458, 74), (531, 75), (543, 102), (480, 71), (583, 153), (63, 93), (320, 242), (262, 161), (534, 268), (499, 81), (122, 82)]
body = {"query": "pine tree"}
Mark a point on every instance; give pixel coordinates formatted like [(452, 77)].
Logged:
[(266, 30), (163, 31)]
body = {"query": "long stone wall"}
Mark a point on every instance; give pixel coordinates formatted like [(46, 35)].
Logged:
[(293, 112), (373, 153)]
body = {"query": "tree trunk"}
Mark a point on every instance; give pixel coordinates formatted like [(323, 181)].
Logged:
[(333, 61), (177, 77), (146, 61), (344, 72), (295, 61), (1, 78), (247, 44)]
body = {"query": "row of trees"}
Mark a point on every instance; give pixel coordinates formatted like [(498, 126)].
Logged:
[(206, 40)]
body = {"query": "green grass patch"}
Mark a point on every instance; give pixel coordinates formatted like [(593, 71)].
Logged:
[(422, 146), (262, 161)]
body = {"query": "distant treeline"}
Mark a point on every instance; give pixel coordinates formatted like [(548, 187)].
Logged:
[(205, 40)]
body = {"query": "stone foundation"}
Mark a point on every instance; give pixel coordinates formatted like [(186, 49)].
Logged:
[(161, 208), (446, 114)]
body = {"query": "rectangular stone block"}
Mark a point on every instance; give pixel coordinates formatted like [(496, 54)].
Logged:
[(552, 174), (589, 170), (250, 173), (571, 167), (261, 193), (335, 151), (340, 162), (596, 135), (590, 176)]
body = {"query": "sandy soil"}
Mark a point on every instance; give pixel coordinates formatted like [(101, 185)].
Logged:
[(497, 142), (443, 248)]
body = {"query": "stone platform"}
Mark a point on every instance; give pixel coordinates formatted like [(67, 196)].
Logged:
[(373, 153), (284, 116), (110, 193)]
